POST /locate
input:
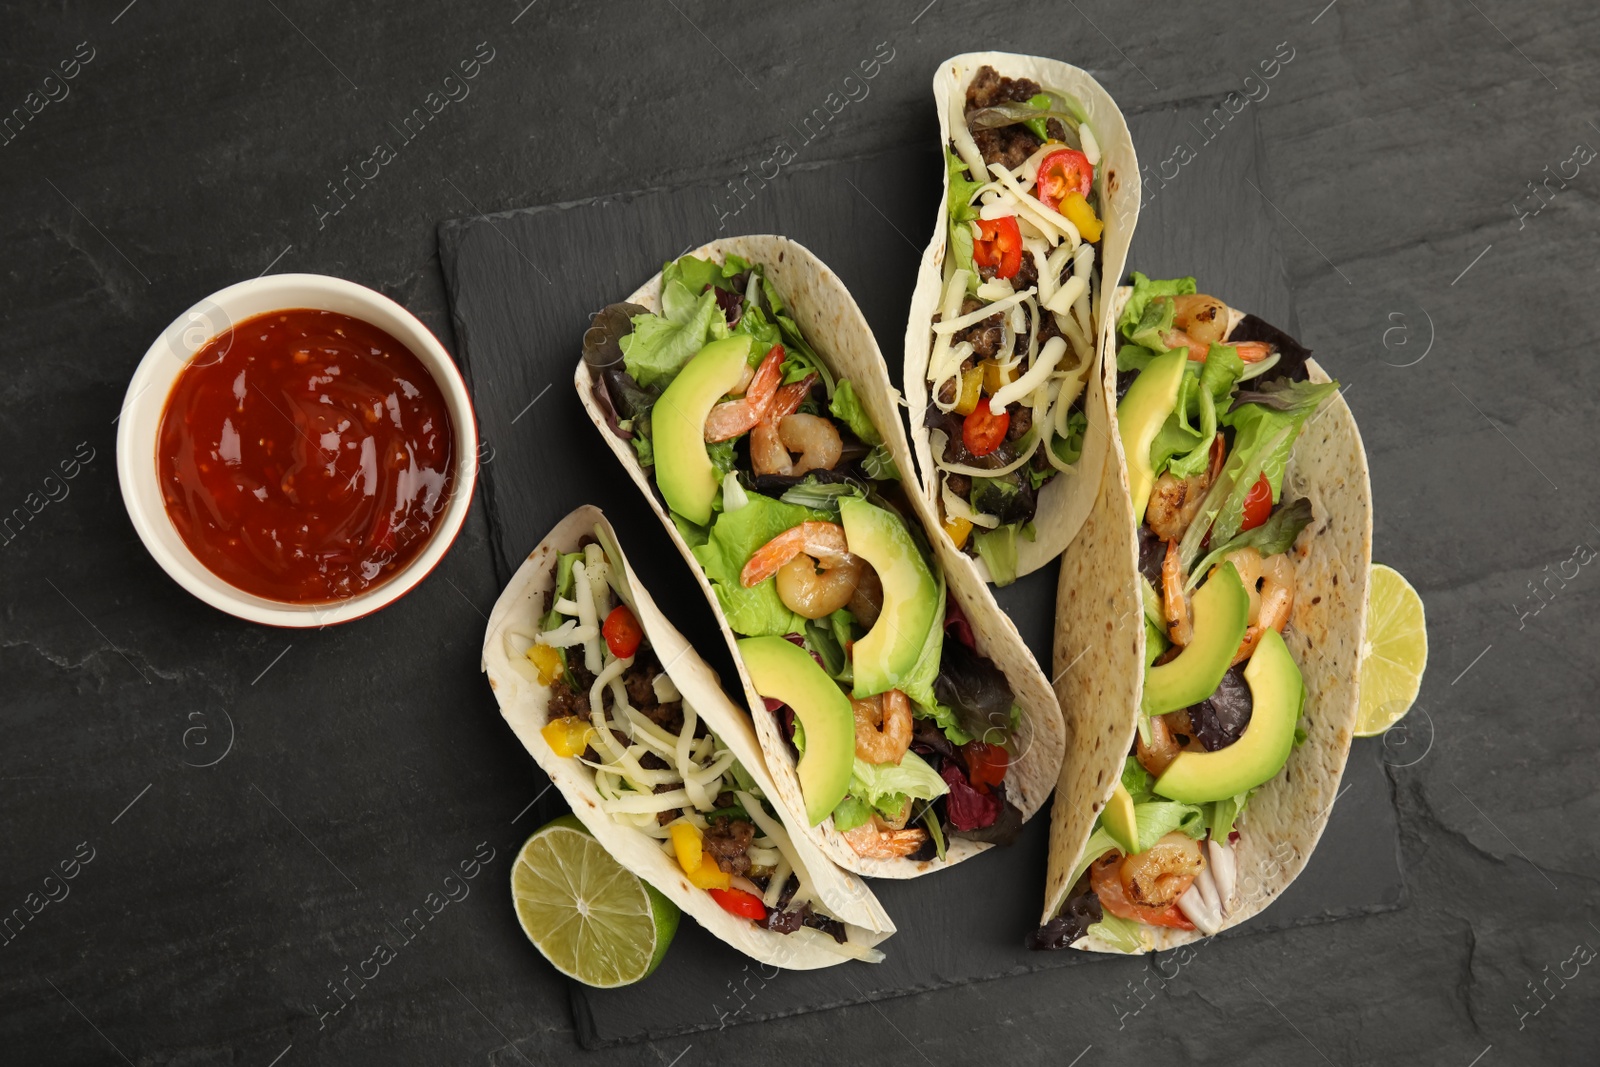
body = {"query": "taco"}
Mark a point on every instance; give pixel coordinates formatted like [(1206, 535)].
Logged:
[(1226, 561), (904, 722), (1041, 196), (662, 768)]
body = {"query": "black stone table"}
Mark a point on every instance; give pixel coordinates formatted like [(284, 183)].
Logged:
[(247, 813)]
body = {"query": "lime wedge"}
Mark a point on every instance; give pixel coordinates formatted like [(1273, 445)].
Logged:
[(1394, 654), (594, 919)]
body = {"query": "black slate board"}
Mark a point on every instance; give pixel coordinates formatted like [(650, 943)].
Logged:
[(522, 286)]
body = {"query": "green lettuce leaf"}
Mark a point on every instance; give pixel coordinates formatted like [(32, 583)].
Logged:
[(879, 465), (765, 333), (660, 345), (961, 213), (1222, 814), (851, 813), (1119, 933), (1133, 312), (1184, 444), (731, 541), (692, 273), (998, 548), (880, 783), (1133, 358), (1275, 535), (846, 407), (918, 685), (1156, 819), (1264, 434)]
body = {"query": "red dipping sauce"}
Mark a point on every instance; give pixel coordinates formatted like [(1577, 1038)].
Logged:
[(305, 456)]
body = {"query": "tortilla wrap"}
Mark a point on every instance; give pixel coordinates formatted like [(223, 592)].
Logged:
[(836, 329), (524, 701), (1100, 636), (1065, 501)]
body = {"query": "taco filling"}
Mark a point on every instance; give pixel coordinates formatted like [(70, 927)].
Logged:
[(1014, 336), (783, 487), (1210, 402), (655, 764)]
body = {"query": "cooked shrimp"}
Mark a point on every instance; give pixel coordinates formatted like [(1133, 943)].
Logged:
[(767, 454), (1162, 749), (1204, 318), (1249, 351), (787, 400), (734, 417), (1247, 561), (1277, 600), (1174, 502), (814, 437), (883, 727), (874, 839), (1174, 603), (822, 541), (1158, 877), (815, 593)]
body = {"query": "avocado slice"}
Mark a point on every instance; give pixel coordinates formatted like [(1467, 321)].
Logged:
[(1221, 614), (1276, 692), (784, 671), (684, 471), (889, 651), (1140, 416), (1119, 822)]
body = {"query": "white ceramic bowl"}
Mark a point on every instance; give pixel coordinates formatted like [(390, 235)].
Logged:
[(140, 423)]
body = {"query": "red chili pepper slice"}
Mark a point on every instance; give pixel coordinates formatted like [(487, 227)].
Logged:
[(998, 246), (983, 432), (1063, 171), (738, 902), (622, 632)]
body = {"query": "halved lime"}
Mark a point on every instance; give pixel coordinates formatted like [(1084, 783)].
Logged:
[(1395, 651), (594, 919)]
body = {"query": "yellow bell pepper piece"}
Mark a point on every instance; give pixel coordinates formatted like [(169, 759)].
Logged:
[(1081, 215), (547, 661), (708, 875), (995, 376), (971, 391), (958, 529), (686, 842), (567, 736)]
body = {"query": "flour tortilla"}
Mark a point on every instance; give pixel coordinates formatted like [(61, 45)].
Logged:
[(1065, 502), (1100, 635), (831, 322), (524, 703)]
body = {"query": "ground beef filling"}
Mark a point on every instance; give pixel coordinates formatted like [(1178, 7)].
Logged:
[(728, 842), (1008, 145), (985, 335)]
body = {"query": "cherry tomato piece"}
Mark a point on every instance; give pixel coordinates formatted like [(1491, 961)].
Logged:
[(738, 902), (1063, 171), (998, 246), (1106, 880), (983, 432), (986, 764), (1257, 505), (622, 632)]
